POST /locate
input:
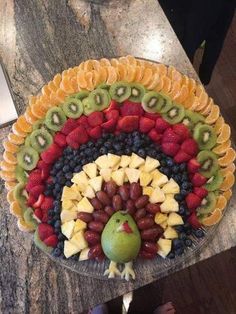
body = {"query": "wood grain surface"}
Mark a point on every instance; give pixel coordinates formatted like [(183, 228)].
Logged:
[(38, 39)]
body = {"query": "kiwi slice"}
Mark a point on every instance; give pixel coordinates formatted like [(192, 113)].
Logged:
[(208, 204), (27, 141), (55, 118), (137, 92), (27, 158), (73, 108), (205, 136), (21, 174), (18, 192), (104, 86), (80, 95), (120, 91), (209, 163), (99, 99), (40, 140), (175, 114), (214, 182), (150, 101), (88, 108), (192, 118), (39, 243), (28, 217), (164, 103)]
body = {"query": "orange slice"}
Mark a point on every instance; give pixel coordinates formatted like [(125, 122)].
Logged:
[(38, 111), (155, 80), (8, 175), (89, 79), (15, 139), (139, 73), (213, 115), (61, 95), (123, 60), (207, 109), (228, 158), (23, 226), (161, 69), (30, 118), (131, 60), (159, 86), (52, 87), (175, 89), (147, 77), (192, 86), (221, 202), (224, 134), (10, 158), (227, 194), (24, 125), (88, 65), (228, 181), (74, 84), (67, 86), (121, 71), (213, 219), (10, 196), (32, 100), (112, 75), (219, 124), (12, 148), (114, 62), (102, 71), (104, 62), (6, 166), (10, 185), (15, 209), (229, 168), (57, 80), (130, 74), (17, 130), (222, 148), (183, 94), (96, 78), (166, 84), (191, 101), (46, 90)]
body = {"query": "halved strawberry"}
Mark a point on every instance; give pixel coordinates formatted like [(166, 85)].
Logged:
[(69, 126), (38, 214), (47, 203), (95, 118), (36, 191), (181, 156), (60, 139), (52, 153), (146, 124), (182, 130), (200, 191), (155, 136), (43, 165), (129, 108), (83, 121), (112, 114), (161, 125), (198, 179), (169, 136), (193, 201), (193, 165), (31, 200), (39, 201), (152, 116), (128, 123), (170, 149), (95, 132), (45, 231), (51, 241), (190, 146), (113, 105), (193, 220), (35, 177), (110, 125), (77, 136)]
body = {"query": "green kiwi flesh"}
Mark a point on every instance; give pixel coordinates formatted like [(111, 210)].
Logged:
[(104, 86), (80, 95), (164, 103), (175, 114), (208, 204), (137, 92), (120, 91), (27, 158), (88, 107), (209, 163), (205, 136), (21, 174), (214, 182), (150, 101), (192, 118), (40, 140), (39, 243), (18, 193), (55, 118), (99, 99), (29, 219), (73, 108)]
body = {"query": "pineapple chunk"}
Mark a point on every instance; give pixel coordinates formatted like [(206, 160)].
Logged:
[(160, 218), (70, 249), (141, 168), (70, 193), (164, 225), (81, 180), (125, 160), (89, 192), (157, 196), (79, 225), (151, 164), (147, 190), (171, 187), (68, 215), (106, 174), (67, 204), (67, 228), (96, 183), (84, 206), (145, 178), (118, 176), (90, 169), (169, 205), (170, 233), (132, 174), (164, 247), (113, 160), (84, 254), (102, 161), (136, 161), (159, 179), (79, 240), (174, 219)]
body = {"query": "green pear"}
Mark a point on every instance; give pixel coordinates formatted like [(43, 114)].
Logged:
[(121, 239)]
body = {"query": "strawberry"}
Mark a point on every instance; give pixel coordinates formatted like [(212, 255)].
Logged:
[(77, 136), (45, 231), (47, 203), (155, 136), (152, 116), (129, 108), (113, 105), (200, 191), (146, 124), (128, 123), (39, 201), (193, 220), (45, 217), (110, 125), (95, 118), (169, 136), (60, 139), (45, 174), (42, 165), (69, 126), (35, 177), (193, 165), (36, 191), (181, 156), (31, 200), (95, 132), (190, 146), (161, 125), (198, 179), (52, 153), (170, 149), (112, 114), (51, 241), (193, 201), (72, 143), (182, 130), (83, 121), (38, 214)]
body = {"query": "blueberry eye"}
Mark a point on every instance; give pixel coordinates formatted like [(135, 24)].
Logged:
[(117, 220)]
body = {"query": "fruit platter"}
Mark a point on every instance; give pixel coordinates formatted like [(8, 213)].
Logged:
[(119, 165)]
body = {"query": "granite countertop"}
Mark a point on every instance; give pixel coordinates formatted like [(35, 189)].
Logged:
[(38, 39)]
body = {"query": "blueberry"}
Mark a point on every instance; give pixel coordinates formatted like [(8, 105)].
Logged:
[(68, 183), (90, 144), (184, 177), (108, 145), (50, 212), (57, 187), (61, 236), (183, 193), (179, 228), (179, 251), (184, 185), (187, 226), (182, 210), (78, 168), (88, 151), (47, 192), (182, 167), (57, 224), (163, 163), (182, 236), (176, 177), (151, 152), (188, 242), (58, 165), (175, 169), (166, 171), (56, 252), (158, 156), (198, 233), (178, 197), (82, 147), (60, 245), (127, 151), (50, 222), (177, 243), (141, 153), (117, 146), (169, 162), (69, 175), (84, 161), (171, 255)]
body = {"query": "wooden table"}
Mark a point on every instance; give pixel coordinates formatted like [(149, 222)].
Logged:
[(38, 39)]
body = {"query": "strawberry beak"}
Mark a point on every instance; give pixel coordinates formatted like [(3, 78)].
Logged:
[(126, 228)]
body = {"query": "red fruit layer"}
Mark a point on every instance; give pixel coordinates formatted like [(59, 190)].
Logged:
[(45, 231), (146, 124), (193, 201), (128, 124), (193, 220), (96, 118), (193, 165), (129, 108), (190, 147), (198, 179), (200, 191), (182, 130)]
